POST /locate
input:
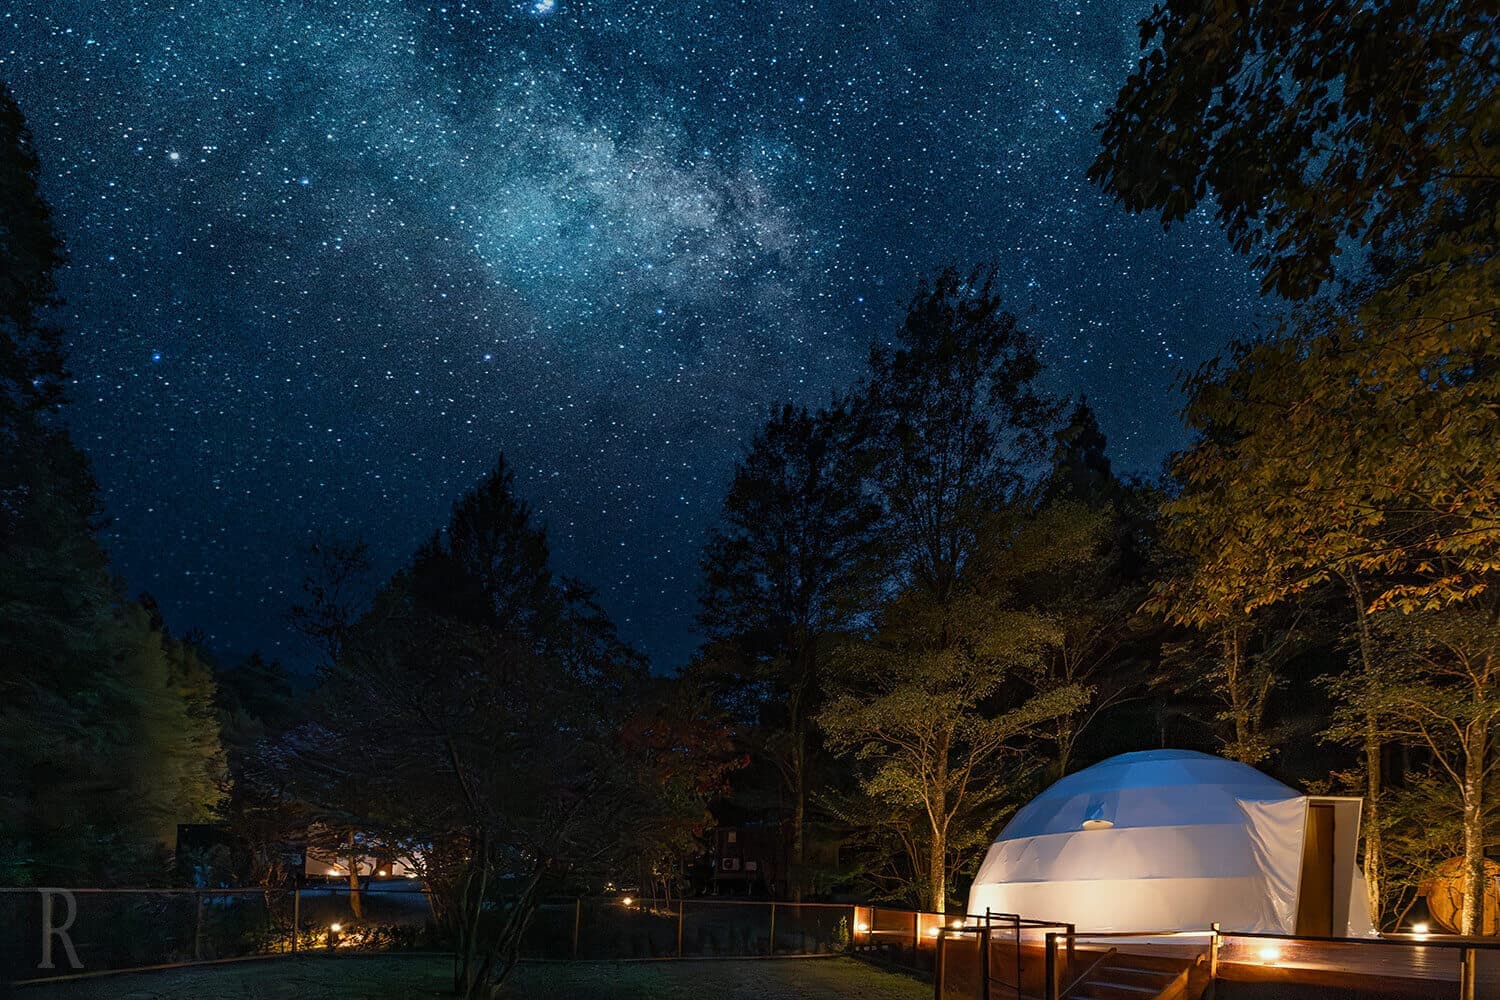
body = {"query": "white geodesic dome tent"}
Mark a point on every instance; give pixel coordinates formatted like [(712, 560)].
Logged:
[(1178, 840)]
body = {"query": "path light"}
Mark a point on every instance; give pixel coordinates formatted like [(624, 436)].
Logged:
[(627, 901), (1421, 930), (1270, 954), (335, 927)]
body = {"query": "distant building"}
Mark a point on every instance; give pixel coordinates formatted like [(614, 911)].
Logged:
[(752, 857), (744, 859)]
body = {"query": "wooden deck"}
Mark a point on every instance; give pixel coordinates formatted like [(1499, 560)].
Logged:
[(1251, 968)]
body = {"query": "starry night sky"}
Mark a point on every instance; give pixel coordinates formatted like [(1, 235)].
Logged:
[(329, 257)]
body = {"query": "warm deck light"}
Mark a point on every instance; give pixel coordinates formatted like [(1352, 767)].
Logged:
[(1270, 954), (333, 871), (627, 901), (861, 928), (1421, 929), (335, 927), (933, 931), (382, 874)]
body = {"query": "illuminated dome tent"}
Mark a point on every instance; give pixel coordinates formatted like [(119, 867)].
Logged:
[(1176, 840)]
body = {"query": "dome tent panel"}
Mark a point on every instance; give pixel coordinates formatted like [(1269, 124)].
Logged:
[(1164, 840)]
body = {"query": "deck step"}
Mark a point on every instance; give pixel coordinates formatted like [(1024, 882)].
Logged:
[(1123, 982), (1134, 972), (1096, 989)]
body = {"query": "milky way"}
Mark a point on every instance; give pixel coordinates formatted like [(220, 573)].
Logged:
[(330, 258)]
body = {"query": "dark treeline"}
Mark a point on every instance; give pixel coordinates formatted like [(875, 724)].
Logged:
[(924, 600)]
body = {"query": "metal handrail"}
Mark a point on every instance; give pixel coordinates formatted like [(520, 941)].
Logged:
[(1206, 932), (1435, 941)]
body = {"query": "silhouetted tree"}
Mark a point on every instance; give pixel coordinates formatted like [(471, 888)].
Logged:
[(957, 439), (782, 578), (484, 719)]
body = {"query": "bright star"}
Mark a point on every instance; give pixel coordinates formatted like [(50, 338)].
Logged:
[(543, 7)]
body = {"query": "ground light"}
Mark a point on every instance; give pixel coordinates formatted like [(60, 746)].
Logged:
[(627, 901), (1269, 954)]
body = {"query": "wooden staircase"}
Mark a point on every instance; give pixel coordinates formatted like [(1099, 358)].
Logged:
[(1116, 976)]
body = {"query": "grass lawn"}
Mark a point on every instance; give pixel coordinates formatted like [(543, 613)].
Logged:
[(409, 978)]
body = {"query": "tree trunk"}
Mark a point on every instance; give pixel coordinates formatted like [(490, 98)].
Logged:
[(355, 906), (1064, 745), (1239, 700), (937, 878), (1472, 921), (799, 814), (1374, 868), (470, 910), (505, 951)]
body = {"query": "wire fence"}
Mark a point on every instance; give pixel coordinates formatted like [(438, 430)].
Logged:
[(48, 933), (45, 933), (614, 928)]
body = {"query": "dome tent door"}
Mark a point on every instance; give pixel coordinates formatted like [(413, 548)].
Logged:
[(1315, 893)]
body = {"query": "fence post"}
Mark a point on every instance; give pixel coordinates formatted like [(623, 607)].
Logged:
[(1049, 979), (198, 926), (916, 935), (1018, 954), (984, 960), (773, 927), (1468, 972), (939, 958), (296, 919), (1070, 966), (1213, 961), (681, 908), (577, 918)]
